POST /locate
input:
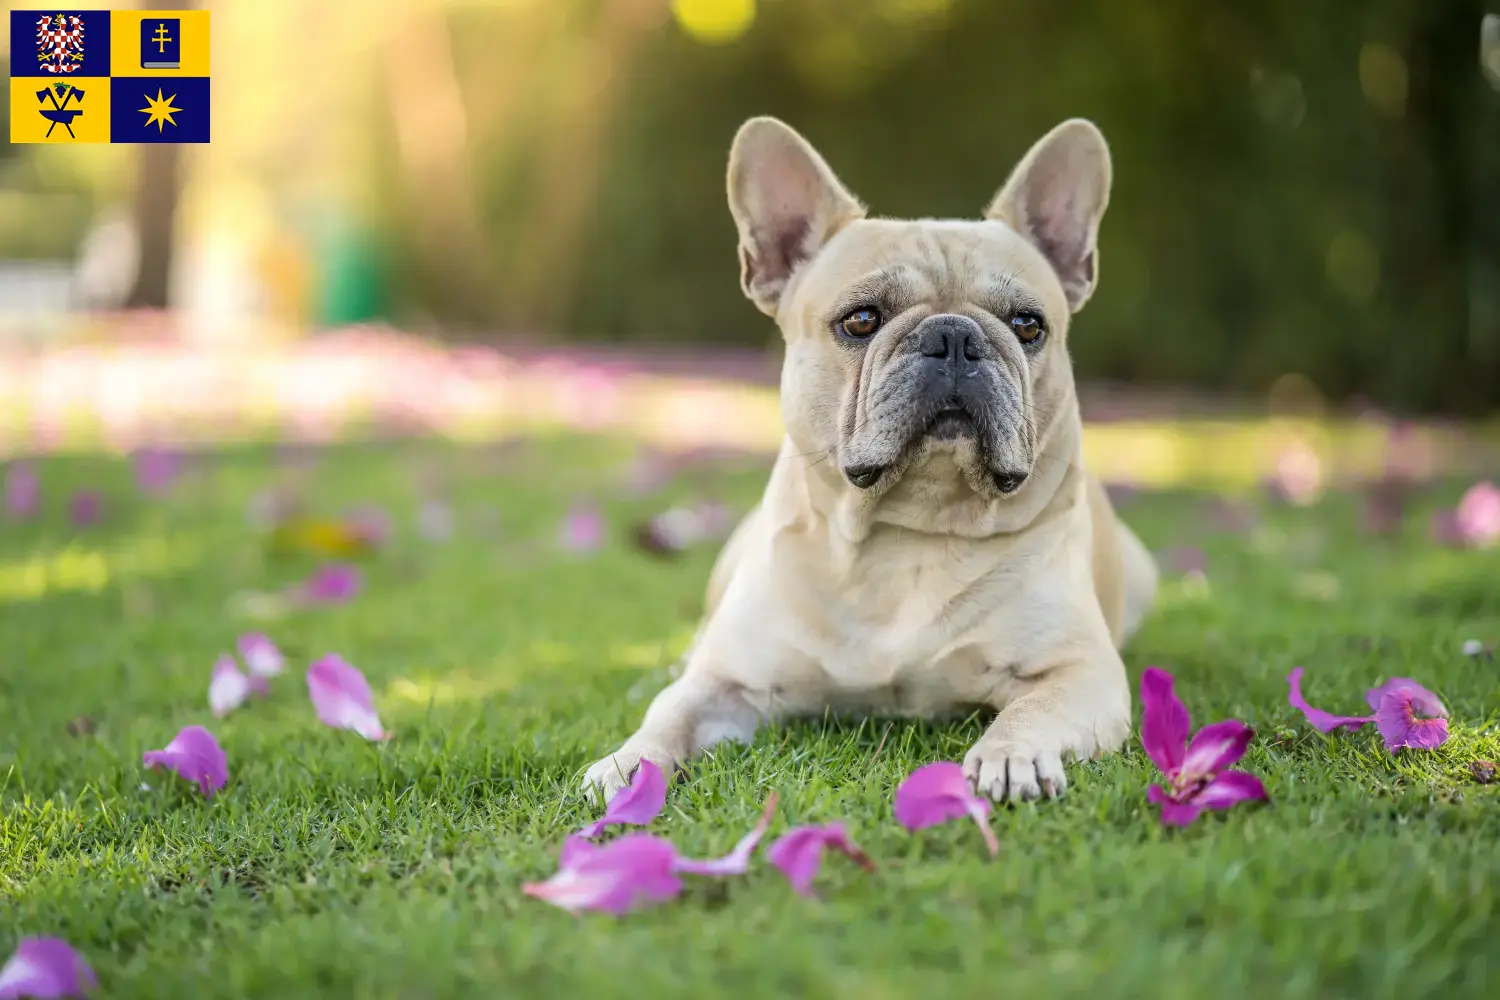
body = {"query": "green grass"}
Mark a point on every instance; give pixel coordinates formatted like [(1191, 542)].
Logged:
[(331, 867)]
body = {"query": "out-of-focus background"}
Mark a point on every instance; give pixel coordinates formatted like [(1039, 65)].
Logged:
[(1306, 210)]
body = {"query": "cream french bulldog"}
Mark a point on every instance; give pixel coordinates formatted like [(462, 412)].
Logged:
[(929, 540)]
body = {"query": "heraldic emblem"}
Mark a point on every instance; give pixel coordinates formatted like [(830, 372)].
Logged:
[(59, 42)]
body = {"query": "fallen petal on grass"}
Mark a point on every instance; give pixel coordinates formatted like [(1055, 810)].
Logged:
[(798, 853), (1405, 712), (1474, 523), (85, 508), (738, 859), (1478, 515), (938, 792), (637, 805), (582, 529), (23, 490), (331, 583), (46, 968), (1297, 477), (1323, 722), (637, 870), (370, 524), (260, 654), (1399, 724), (193, 755), (156, 470), (1422, 699), (1197, 772), (341, 697), (229, 687)]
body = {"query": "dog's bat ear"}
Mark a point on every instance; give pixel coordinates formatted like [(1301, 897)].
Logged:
[(1055, 198), (786, 203)]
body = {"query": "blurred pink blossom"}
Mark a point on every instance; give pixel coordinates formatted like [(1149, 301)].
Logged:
[(370, 524), (85, 508), (342, 699), (156, 470), (23, 490), (1474, 523), (582, 528), (1297, 477), (331, 583)]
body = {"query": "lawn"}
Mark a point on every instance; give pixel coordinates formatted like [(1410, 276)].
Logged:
[(335, 867)]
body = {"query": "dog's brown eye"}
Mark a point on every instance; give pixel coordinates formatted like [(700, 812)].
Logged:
[(1028, 328), (860, 323)]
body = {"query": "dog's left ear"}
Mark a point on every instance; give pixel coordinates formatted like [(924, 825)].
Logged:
[(1055, 198)]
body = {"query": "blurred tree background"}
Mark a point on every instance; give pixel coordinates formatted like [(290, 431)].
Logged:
[(1300, 188)]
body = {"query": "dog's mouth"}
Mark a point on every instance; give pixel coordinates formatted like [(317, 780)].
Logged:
[(951, 423)]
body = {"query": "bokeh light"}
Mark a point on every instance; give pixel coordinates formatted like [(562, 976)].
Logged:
[(714, 21)]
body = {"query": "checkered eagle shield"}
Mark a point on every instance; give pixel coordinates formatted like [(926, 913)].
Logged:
[(59, 42)]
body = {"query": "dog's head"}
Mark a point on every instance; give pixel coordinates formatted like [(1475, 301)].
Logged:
[(923, 356)]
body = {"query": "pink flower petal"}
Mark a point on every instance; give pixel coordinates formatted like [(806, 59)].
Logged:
[(799, 853), (1298, 475), (939, 792), (1323, 722), (156, 469), (1165, 723), (1478, 515), (638, 804), (636, 870), (23, 490), (583, 528), (46, 968), (1422, 700), (331, 583), (1398, 723), (260, 654), (574, 850), (738, 859), (370, 524), (194, 755), (229, 687), (1173, 813), (1216, 746), (1229, 788), (85, 508), (341, 697)]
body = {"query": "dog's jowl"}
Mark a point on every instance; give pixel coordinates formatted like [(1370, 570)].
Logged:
[(929, 540)]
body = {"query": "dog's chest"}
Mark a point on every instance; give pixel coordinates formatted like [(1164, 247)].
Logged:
[(919, 635)]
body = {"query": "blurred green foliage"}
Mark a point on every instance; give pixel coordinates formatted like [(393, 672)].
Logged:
[(1298, 188)]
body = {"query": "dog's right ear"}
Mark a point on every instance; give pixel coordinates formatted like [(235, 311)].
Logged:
[(786, 203)]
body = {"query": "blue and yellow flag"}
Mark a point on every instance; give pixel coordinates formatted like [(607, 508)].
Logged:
[(109, 76)]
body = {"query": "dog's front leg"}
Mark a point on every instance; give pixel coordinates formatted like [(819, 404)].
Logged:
[(1077, 708), (691, 714)]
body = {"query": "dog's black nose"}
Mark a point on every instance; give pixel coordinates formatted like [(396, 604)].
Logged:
[(1009, 482), (949, 337), (864, 476)]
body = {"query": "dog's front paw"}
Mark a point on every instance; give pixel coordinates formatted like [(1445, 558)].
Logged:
[(613, 772), (1010, 771), (1021, 757)]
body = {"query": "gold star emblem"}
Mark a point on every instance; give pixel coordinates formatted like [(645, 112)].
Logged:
[(160, 110)]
